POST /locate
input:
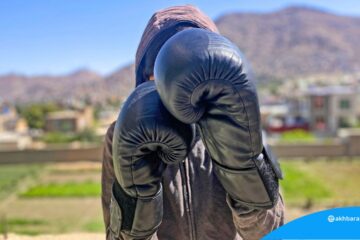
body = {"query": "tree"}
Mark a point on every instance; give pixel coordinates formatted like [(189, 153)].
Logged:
[(35, 114)]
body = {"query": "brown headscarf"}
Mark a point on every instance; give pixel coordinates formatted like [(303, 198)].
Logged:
[(161, 26)]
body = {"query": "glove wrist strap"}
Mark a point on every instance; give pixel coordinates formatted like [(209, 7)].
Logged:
[(138, 217)]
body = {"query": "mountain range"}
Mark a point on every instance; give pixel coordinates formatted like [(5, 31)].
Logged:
[(286, 44)]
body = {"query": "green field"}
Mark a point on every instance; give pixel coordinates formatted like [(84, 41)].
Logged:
[(300, 186), (321, 182), (60, 198), (54, 198), (68, 189), (12, 175)]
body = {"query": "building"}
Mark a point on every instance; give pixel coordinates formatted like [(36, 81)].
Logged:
[(105, 118), (333, 107), (14, 141), (69, 120), (282, 117), (10, 121)]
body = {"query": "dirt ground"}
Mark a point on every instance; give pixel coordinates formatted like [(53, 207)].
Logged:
[(291, 213), (49, 215), (59, 215), (73, 236)]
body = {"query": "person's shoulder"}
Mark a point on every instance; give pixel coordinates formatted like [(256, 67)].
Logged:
[(110, 131)]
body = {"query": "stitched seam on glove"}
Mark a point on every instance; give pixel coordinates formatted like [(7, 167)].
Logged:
[(255, 205), (236, 91), (132, 163), (268, 177)]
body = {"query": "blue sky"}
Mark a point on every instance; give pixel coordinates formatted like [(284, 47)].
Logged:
[(60, 36)]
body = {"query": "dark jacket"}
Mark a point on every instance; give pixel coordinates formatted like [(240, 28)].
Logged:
[(195, 203)]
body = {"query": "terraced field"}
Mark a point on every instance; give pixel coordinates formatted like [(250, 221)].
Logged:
[(65, 198), (53, 198)]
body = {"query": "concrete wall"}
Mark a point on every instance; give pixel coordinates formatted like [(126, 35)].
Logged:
[(347, 147), (353, 145), (63, 154), (310, 150)]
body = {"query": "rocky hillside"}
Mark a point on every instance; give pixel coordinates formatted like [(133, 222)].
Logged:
[(281, 45), (81, 85), (295, 41)]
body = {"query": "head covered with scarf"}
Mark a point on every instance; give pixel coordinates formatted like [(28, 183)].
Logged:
[(162, 26)]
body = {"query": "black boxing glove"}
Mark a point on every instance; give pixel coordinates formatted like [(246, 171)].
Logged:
[(146, 138), (201, 79)]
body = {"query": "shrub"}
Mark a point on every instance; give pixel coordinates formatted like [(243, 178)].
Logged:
[(69, 189), (297, 136)]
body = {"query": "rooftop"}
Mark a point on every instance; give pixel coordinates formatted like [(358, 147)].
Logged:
[(62, 115), (332, 90)]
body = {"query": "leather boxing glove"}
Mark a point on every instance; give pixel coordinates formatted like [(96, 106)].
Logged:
[(201, 79), (146, 138)]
